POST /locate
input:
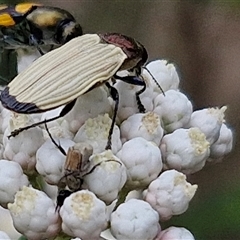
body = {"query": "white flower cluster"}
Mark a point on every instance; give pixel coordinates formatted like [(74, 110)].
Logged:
[(123, 193)]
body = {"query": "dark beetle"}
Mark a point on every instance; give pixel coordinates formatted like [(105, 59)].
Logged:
[(76, 167), (30, 24)]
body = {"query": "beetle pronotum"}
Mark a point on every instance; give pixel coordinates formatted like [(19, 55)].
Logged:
[(64, 74)]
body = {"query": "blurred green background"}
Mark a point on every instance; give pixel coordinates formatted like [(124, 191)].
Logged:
[(203, 39)]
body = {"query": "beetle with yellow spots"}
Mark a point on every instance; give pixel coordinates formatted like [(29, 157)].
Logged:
[(61, 76), (30, 24)]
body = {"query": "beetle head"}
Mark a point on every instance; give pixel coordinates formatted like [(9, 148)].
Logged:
[(62, 195), (67, 29), (135, 51)]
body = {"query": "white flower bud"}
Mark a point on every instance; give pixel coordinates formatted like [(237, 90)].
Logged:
[(83, 215), (170, 194), (175, 233), (33, 214), (58, 128), (134, 219), (222, 146), (146, 125), (209, 121), (165, 74), (22, 148), (7, 224), (89, 105), (51, 114), (25, 57), (4, 236), (174, 109), (1, 150), (107, 178), (95, 132), (107, 235), (5, 117), (59, 131), (185, 150), (50, 160), (127, 99), (12, 180), (142, 160)]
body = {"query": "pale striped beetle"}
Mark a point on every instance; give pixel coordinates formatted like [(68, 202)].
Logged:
[(62, 75)]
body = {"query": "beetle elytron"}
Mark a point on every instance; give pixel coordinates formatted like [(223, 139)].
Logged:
[(64, 74)]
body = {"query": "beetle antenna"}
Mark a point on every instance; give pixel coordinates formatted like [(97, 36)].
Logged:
[(54, 142), (154, 79)]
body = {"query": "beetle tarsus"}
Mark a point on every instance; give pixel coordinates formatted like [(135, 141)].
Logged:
[(15, 133), (54, 142), (141, 108), (115, 97)]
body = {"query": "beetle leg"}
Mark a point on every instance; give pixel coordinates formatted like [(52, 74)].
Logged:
[(54, 142), (34, 41), (141, 108), (98, 164), (139, 82), (64, 111), (115, 97)]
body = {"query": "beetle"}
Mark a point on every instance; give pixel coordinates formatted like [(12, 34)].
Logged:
[(30, 24), (76, 167), (64, 74)]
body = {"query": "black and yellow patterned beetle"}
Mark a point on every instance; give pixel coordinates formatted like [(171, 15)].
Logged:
[(30, 24)]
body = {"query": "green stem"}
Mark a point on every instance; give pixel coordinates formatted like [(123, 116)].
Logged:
[(122, 196), (36, 181)]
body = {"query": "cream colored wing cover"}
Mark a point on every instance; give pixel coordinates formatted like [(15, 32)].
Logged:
[(68, 72)]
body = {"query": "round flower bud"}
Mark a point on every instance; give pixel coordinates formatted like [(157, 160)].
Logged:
[(175, 233), (174, 109), (7, 224), (134, 219), (12, 180), (165, 74), (33, 214), (5, 117), (25, 57), (95, 132), (50, 161), (83, 215), (146, 125), (209, 121), (170, 194), (127, 99), (23, 147), (142, 160), (185, 150), (4, 236), (89, 105), (222, 146), (107, 178)]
